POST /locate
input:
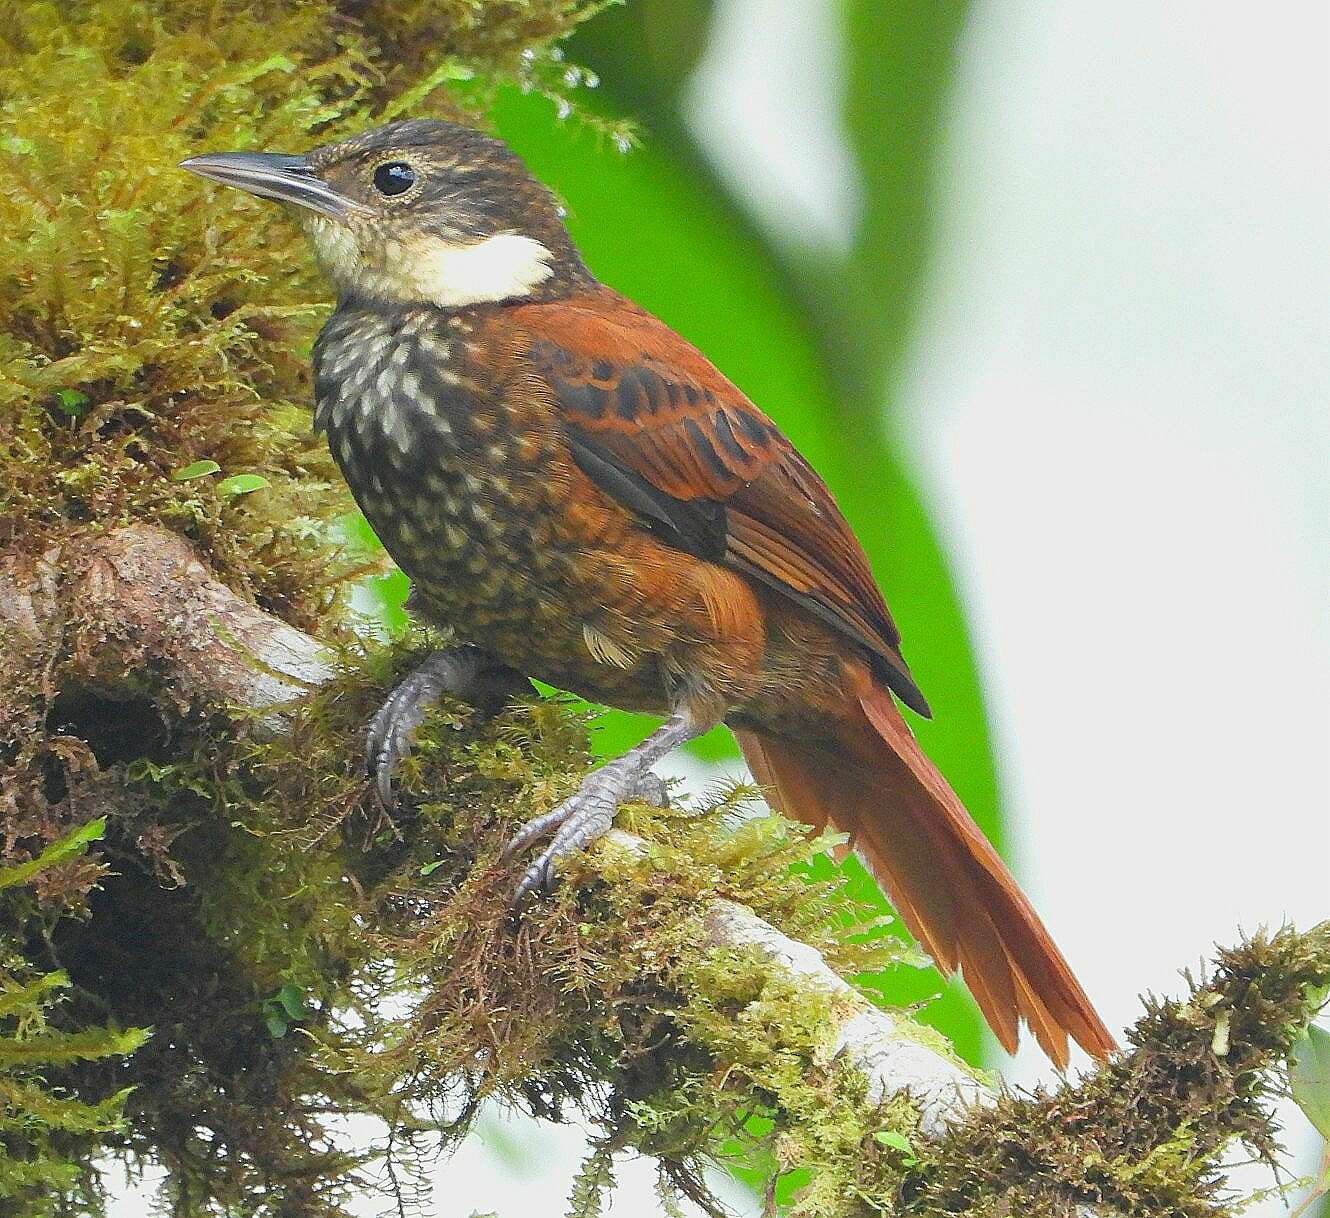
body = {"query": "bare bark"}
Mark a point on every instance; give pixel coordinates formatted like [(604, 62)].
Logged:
[(136, 605)]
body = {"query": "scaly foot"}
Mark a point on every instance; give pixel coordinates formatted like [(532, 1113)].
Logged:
[(463, 672), (584, 816), (589, 811)]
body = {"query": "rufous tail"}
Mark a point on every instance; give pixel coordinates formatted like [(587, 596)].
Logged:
[(941, 873)]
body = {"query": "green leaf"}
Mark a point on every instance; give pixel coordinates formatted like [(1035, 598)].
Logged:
[(897, 1141), (1310, 1077), (277, 1025), (241, 484), (196, 470), (73, 402), (291, 998), (431, 868), (18, 145), (68, 847)]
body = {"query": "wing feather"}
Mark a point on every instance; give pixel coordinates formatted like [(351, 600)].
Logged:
[(653, 423)]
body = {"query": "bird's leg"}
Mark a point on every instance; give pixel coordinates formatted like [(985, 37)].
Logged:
[(589, 811), (464, 672)]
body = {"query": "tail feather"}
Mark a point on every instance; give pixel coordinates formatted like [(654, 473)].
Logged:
[(942, 874)]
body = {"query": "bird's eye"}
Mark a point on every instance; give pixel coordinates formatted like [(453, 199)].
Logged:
[(394, 178)]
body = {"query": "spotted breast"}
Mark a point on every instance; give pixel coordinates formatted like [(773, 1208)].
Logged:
[(463, 474), (423, 442)]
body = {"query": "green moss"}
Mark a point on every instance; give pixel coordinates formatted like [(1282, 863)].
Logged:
[(606, 997), (298, 951), (1145, 1134), (149, 322), (154, 343), (46, 1134)]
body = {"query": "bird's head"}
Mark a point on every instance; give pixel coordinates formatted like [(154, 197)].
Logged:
[(417, 212)]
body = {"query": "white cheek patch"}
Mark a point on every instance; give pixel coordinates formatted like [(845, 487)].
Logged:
[(500, 267), (429, 270)]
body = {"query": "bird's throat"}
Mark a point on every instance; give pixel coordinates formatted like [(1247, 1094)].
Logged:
[(426, 269)]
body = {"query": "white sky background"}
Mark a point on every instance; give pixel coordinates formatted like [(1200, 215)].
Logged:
[(1119, 402)]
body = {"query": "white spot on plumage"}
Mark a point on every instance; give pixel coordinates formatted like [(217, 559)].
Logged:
[(402, 433), (436, 348)]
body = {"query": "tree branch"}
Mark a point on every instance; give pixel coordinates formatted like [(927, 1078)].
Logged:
[(138, 600), (136, 606), (134, 613)]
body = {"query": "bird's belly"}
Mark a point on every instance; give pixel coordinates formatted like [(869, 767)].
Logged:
[(467, 542), (491, 556)]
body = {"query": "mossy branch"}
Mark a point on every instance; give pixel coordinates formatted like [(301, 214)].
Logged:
[(665, 991), (175, 658)]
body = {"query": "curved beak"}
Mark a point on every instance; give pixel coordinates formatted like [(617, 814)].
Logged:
[(274, 175)]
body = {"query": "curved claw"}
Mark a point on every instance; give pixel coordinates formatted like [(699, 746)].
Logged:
[(536, 827), (578, 821), (465, 672)]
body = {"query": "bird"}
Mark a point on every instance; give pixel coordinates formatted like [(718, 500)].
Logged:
[(582, 497)]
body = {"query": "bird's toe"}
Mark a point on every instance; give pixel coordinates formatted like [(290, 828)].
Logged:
[(577, 822), (390, 735), (652, 789)]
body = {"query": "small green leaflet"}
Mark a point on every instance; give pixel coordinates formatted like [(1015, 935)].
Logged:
[(1310, 1077), (283, 1009), (68, 847), (241, 484), (431, 868), (292, 999), (73, 402), (897, 1141), (196, 470)]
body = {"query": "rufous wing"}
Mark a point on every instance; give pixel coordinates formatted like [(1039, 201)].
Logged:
[(655, 425)]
